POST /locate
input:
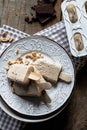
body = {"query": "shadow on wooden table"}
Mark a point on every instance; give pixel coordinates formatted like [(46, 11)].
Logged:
[(74, 116), (77, 108)]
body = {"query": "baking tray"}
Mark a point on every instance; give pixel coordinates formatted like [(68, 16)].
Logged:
[(78, 46)]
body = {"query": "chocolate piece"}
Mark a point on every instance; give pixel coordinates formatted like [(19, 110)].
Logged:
[(41, 2), (45, 9), (45, 19), (26, 19)]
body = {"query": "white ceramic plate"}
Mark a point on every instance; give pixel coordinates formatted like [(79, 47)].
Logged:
[(58, 94), (24, 118)]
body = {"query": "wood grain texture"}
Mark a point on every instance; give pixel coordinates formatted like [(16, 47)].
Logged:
[(13, 12)]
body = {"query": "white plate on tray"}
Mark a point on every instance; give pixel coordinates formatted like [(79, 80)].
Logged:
[(58, 94)]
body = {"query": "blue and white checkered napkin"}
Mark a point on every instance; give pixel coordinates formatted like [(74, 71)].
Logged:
[(57, 33)]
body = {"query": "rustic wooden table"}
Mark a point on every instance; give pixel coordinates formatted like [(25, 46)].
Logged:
[(74, 117), (12, 13)]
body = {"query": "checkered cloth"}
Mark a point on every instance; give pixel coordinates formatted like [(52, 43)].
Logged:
[(57, 33)]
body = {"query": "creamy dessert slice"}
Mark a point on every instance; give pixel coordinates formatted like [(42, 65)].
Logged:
[(19, 73), (45, 97), (39, 80), (49, 70), (31, 90), (42, 83), (78, 39), (65, 77), (34, 76), (71, 9)]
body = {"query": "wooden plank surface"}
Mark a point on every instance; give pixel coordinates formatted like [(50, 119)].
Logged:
[(12, 13)]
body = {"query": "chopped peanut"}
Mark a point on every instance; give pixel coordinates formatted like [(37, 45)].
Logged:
[(9, 62), (21, 61), (34, 53), (3, 34), (4, 39), (10, 39), (26, 62), (17, 51), (12, 62), (7, 68), (20, 58), (29, 56), (34, 58)]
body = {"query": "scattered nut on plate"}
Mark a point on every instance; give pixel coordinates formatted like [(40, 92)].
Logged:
[(34, 55)]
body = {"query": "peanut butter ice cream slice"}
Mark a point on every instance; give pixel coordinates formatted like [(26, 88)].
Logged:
[(19, 73), (45, 97), (72, 12), (39, 79), (30, 90), (49, 70), (66, 77)]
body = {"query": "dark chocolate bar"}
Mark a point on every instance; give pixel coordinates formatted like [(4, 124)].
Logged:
[(44, 19), (45, 9)]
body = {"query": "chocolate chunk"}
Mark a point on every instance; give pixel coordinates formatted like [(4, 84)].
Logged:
[(45, 12), (26, 19), (45, 9), (44, 19), (33, 16), (41, 2)]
